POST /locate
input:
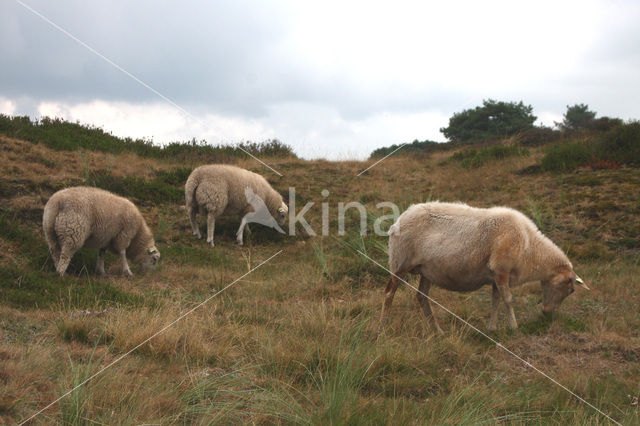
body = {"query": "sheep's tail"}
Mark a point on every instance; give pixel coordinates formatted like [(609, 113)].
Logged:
[(396, 248), (51, 210), (190, 194)]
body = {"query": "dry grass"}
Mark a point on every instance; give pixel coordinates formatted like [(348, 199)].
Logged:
[(297, 340)]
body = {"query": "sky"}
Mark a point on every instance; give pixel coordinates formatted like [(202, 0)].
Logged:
[(332, 79)]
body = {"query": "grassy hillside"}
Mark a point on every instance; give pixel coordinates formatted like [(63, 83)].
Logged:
[(296, 341)]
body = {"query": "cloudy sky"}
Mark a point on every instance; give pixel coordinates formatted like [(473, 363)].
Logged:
[(332, 79)]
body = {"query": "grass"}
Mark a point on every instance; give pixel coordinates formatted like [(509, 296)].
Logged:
[(296, 341)]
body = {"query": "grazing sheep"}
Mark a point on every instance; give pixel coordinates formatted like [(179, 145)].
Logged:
[(90, 217), (461, 248), (228, 190)]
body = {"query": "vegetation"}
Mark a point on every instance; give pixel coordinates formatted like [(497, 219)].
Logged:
[(59, 134), (619, 146), (473, 158), (492, 120), (577, 117), (296, 341), (414, 147)]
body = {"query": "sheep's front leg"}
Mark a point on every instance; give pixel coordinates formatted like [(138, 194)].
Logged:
[(423, 292), (502, 283), (100, 263), (211, 226), (194, 222), (125, 266), (495, 303)]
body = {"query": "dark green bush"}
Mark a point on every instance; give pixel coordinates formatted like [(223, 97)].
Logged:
[(492, 120), (567, 156)]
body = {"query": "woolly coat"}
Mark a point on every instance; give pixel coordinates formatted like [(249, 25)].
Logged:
[(460, 248), (220, 189), (94, 218)]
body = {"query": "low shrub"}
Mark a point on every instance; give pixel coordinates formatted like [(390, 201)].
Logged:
[(539, 136), (618, 146), (473, 158), (415, 147)]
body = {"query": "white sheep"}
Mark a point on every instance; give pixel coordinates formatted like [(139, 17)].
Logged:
[(228, 190), (90, 217), (461, 248)]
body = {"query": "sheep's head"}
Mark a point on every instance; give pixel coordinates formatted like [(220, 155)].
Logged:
[(150, 258), (282, 213), (557, 287)]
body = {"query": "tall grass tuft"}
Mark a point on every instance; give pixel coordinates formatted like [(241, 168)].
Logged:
[(341, 376), (73, 407)]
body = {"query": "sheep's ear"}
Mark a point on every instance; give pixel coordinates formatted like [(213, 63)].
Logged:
[(581, 283), (152, 250)]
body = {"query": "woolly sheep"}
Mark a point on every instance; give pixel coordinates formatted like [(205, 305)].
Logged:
[(462, 248), (90, 217), (228, 190)]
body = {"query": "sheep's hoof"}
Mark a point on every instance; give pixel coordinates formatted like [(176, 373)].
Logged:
[(211, 243), (240, 243), (128, 273), (198, 236)]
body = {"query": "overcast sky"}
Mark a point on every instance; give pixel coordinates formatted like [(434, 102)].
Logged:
[(332, 79)]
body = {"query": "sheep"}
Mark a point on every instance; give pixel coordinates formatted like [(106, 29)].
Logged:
[(462, 248), (94, 218), (228, 190)]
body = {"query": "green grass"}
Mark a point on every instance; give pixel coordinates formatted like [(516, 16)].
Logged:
[(155, 191), (35, 289)]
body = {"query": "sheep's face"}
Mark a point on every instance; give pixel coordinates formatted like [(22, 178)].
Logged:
[(557, 288), (151, 258), (282, 214)]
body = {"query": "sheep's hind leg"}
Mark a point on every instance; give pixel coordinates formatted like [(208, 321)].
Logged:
[(422, 293), (211, 225), (240, 233), (502, 283), (389, 292), (65, 258), (55, 254), (193, 213), (100, 262), (495, 304), (125, 266)]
